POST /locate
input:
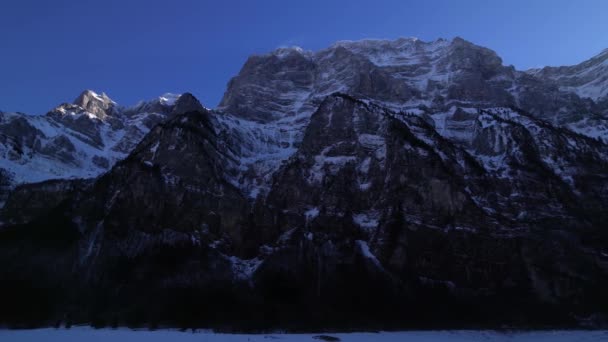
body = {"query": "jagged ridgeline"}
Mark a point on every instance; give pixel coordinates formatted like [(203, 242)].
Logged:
[(370, 185)]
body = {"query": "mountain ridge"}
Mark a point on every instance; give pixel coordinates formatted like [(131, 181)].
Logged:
[(355, 187), (81, 139)]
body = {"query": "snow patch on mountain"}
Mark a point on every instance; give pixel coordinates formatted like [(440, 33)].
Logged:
[(169, 99), (244, 268), (258, 148), (367, 253), (368, 221)]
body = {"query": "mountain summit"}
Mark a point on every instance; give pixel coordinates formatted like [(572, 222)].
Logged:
[(98, 105)]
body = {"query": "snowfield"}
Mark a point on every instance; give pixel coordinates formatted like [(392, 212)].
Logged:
[(119, 335)]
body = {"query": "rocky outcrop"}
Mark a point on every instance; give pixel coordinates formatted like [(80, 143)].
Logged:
[(101, 106)]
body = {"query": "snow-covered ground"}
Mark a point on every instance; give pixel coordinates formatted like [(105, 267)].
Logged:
[(119, 335)]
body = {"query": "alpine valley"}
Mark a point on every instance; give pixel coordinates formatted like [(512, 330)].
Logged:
[(373, 184)]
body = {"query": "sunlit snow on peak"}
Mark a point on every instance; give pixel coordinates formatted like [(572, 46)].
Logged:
[(169, 99)]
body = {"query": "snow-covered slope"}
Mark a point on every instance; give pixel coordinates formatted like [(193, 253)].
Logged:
[(78, 334)]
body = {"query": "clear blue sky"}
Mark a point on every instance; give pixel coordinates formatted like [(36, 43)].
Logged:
[(51, 50)]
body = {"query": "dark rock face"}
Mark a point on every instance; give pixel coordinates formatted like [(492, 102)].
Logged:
[(30, 201), (5, 185), (418, 205), (101, 162), (289, 72), (420, 186), (174, 179), (61, 148), (22, 138), (373, 202), (186, 103)]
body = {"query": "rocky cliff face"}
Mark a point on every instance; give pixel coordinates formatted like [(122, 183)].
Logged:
[(368, 184)]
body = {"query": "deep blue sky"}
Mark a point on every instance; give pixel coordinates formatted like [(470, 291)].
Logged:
[(51, 50)]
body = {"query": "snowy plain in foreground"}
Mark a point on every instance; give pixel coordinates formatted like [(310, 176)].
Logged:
[(91, 335)]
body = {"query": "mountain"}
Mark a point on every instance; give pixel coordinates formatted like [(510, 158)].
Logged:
[(587, 79), (369, 185), (78, 140), (406, 74)]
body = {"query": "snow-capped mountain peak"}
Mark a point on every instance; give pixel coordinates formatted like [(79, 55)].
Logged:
[(285, 51), (168, 99), (89, 95), (100, 105)]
